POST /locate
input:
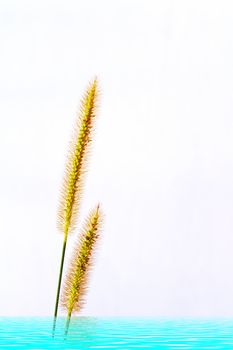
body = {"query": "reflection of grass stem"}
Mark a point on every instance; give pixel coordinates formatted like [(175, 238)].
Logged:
[(67, 324), (76, 280), (75, 169)]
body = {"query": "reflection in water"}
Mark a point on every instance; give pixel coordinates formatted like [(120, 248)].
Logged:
[(82, 330), (97, 333)]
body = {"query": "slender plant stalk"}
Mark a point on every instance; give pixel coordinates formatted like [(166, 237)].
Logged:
[(75, 168), (75, 285), (59, 283)]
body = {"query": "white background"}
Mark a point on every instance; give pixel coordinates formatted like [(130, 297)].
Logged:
[(162, 160)]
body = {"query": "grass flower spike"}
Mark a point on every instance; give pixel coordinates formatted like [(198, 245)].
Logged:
[(75, 284), (74, 174), (75, 167)]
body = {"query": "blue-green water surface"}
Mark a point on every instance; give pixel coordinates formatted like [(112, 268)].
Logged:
[(115, 333)]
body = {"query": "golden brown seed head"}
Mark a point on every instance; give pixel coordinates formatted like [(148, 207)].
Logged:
[(77, 156), (75, 285)]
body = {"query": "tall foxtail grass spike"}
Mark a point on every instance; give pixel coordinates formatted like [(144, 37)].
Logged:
[(77, 157), (75, 284), (74, 173)]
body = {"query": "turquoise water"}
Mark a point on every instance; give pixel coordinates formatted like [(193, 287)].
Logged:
[(97, 333)]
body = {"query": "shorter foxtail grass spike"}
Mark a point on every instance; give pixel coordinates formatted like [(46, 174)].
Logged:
[(75, 284), (75, 169)]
